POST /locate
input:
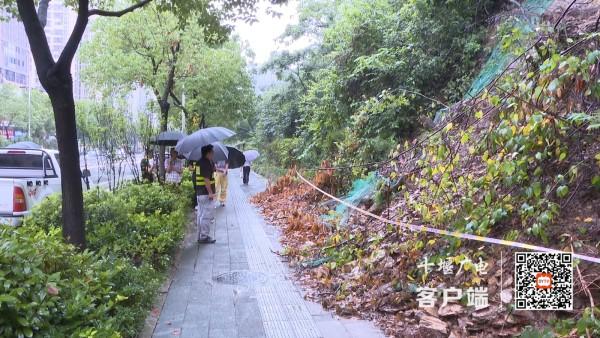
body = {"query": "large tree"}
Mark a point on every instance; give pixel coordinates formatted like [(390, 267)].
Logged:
[(148, 49), (220, 89), (55, 75)]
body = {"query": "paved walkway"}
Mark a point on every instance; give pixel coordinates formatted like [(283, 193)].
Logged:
[(238, 288)]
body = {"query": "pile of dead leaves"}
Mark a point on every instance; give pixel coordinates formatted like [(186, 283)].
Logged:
[(294, 207)]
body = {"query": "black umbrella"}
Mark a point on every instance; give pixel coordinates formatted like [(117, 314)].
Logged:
[(236, 158), (168, 138)]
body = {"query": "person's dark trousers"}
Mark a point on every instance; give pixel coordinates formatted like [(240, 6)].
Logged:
[(194, 199), (246, 174)]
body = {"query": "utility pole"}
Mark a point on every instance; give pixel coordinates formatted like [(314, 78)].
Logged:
[(29, 106), (182, 112)]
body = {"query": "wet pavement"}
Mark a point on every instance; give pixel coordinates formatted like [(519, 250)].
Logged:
[(239, 288)]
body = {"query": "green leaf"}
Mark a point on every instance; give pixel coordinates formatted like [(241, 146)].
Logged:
[(7, 299), (488, 198), (23, 321), (596, 181), (562, 156), (27, 332), (562, 191), (537, 189)]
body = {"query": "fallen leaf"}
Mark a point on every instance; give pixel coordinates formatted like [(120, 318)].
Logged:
[(450, 310), (506, 296), (433, 323)]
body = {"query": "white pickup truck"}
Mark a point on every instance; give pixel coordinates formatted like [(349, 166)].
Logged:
[(27, 176)]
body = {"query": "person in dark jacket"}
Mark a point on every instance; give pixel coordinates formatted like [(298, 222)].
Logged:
[(204, 181)]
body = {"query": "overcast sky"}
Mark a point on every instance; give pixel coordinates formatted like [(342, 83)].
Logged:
[(261, 35)]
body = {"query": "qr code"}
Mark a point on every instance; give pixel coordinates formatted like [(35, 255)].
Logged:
[(543, 281)]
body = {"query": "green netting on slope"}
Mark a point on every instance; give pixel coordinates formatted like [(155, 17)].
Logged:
[(527, 21), (361, 188)]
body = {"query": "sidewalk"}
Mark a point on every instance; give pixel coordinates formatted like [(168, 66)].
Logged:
[(238, 287)]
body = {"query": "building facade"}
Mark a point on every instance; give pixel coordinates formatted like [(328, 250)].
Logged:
[(16, 62), (15, 57)]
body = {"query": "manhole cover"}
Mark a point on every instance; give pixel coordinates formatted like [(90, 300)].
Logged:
[(242, 277)]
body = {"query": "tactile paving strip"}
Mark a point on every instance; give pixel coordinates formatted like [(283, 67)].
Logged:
[(282, 307)]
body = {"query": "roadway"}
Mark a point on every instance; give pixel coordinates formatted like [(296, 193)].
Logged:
[(98, 173)]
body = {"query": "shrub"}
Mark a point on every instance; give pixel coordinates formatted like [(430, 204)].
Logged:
[(140, 222), (105, 291), (48, 288), (149, 198)]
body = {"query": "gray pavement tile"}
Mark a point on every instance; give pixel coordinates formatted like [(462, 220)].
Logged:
[(361, 328), (203, 271), (198, 314), (243, 294), (174, 306), (221, 269), (223, 333), (200, 296), (188, 255), (248, 319), (195, 329), (236, 266), (183, 279), (332, 329), (169, 332), (222, 320)]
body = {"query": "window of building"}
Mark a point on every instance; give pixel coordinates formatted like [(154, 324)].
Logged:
[(9, 75), (21, 79)]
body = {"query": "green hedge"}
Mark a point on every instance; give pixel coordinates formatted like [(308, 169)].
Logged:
[(49, 289)]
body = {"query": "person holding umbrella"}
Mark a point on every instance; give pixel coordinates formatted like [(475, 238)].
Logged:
[(146, 167), (203, 179), (203, 175), (174, 168), (222, 167), (250, 156), (246, 172)]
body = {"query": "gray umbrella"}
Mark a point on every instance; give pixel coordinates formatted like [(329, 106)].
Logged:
[(201, 138), (221, 153), (168, 138)]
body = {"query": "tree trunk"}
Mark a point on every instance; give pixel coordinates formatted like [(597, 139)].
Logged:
[(164, 117), (63, 104), (55, 77)]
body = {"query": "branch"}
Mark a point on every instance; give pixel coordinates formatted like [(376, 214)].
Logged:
[(564, 13), (122, 12), (171, 76), (68, 53), (43, 12), (38, 42), (178, 104)]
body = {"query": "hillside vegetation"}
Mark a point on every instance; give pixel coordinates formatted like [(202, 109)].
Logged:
[(373, 68), (520, 162)]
